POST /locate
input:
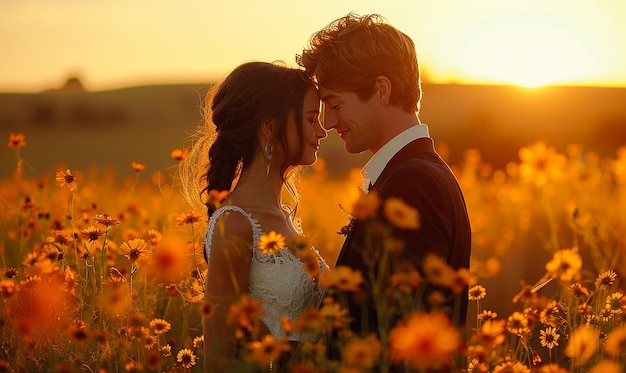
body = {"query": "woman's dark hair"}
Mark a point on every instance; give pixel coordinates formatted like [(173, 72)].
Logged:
[(251, 94)]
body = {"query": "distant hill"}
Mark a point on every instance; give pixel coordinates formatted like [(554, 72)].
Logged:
[(81, 129)]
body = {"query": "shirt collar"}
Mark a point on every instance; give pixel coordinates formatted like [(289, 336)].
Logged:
[(375, 166)]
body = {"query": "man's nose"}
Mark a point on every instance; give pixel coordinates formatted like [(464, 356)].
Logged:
[(329, 120)]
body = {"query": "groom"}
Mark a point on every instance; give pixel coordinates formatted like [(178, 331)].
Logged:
[(369, 83)]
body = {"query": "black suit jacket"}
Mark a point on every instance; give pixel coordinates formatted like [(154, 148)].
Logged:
[(418, 176)]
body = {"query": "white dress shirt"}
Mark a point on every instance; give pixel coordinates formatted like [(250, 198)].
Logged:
[(375, 166)]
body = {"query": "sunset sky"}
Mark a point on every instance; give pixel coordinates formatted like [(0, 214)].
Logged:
[(113, 44)]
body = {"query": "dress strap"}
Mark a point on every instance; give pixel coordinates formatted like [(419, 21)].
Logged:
[(208, 235)]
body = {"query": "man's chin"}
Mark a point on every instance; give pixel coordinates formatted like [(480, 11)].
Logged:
[(354, 150)]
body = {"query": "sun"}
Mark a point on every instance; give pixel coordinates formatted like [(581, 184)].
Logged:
[(529, 50)]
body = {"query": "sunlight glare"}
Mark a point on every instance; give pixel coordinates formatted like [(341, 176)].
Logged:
[(527, 50)]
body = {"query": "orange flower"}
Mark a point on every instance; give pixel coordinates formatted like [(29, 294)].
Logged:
[(491, 333), (160, 326), (16, 140), (607, 366), (525, 295), (310, 322), (335, 315), (114, 296), (267, 350), (343, 278), (615, 341), (517, 323), (67, 178), (549, 338), (616, 303), (187, 217), (477, 292), (366, 206), (583, 343), (207, 308), (400, 214), (179, 154), (272, 242), (362, 352), (424, 341), (92, 233), (540, 164), (579, 290), (135, 250), (310, 262), (186, 358), (7, 288), (437, 271), (154, 236), (487, 315), (245, 312), (605, 280), (509, 366), (405, 279), (137, 166), (10, 272), (565, 264), (106, 220)]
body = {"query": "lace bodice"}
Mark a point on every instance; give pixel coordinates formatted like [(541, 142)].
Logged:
[(278, 280)]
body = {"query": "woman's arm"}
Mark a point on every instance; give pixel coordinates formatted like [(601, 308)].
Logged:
[(227, 280)]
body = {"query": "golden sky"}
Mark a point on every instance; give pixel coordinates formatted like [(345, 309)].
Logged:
[(112, 44)]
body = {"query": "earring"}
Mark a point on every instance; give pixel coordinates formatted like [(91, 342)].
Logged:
[(268, 157)]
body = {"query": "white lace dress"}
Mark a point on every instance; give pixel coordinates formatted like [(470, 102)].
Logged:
[(278, 280)]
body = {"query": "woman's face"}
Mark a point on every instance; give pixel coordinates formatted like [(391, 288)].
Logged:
[(312, 130)]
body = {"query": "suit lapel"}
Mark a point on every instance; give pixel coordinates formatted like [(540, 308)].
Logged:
[(421, 145), (410, 150)]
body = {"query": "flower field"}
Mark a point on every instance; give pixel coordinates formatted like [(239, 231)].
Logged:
[(101, 274)]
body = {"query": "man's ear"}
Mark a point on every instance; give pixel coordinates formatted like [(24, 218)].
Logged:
[(383, 86), (267, 129)]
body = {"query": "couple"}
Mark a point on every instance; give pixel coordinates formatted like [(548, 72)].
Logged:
[(263, 122)]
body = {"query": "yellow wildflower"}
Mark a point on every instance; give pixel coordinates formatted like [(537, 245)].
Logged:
[(135, 250), (477, 292), (583, 343), (424, 341), (362, 352), (138, 167), (67, 178), (272, 242), (160, 326), (16, 140), (565, 264), (186, 358), (268, 349), (400, 214), (187, 217), (549, 337), (343, 278)]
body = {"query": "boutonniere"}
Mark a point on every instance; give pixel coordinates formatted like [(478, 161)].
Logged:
[(366, 207), (346, 229)]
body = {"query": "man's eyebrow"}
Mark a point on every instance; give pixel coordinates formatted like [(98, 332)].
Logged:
[(328, 97), (313, 111)]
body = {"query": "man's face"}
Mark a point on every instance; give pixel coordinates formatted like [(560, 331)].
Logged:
[(357, 122)]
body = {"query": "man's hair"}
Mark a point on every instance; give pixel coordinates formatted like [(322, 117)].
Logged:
[(352, 51)]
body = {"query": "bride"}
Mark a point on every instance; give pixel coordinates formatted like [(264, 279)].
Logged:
[(262, 122)]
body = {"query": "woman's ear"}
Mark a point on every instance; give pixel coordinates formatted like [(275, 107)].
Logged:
[(383, 86), (267, 129)]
